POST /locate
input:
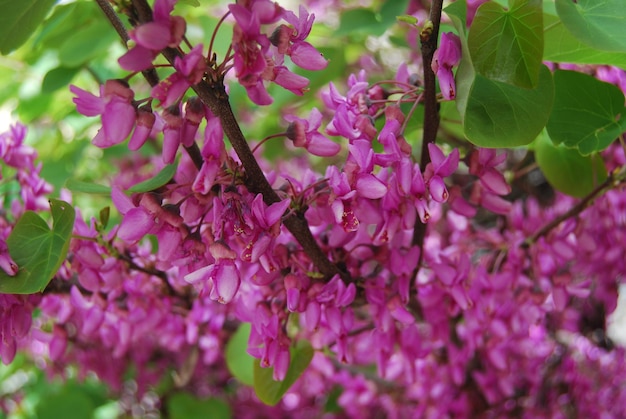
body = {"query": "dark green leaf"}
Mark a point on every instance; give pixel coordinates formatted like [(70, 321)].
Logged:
[(588, 113), (567, 170), (507, 45), (37, 249), (269, 391), (597, 23), (58, 78), (186, 406), (502, 115), (19, 19), (86, 187), (239, 362), (161, 178)]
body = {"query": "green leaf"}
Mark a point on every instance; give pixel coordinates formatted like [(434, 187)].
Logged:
[(588, 113), (567, 170), (86, 187), (58, 78), (38, 250), (239, 362), (94, 40), (358, 21), (502, 115), (269, 391), (597, 23), (507, 45), (561, 46), (186, 406), (161, 178), (65, 404), (19, 19)]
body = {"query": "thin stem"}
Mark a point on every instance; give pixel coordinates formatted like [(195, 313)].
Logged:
[(279, 135), (114, 19)]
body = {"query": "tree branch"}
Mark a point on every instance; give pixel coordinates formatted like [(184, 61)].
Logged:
[(213, 94), (614, 179), (428, 38)]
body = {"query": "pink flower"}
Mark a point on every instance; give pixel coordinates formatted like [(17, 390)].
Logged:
[(223, 276), (290, 41), (152, 37), (115, 106), (189, 71), (305, 133), (440, 167), (447, 56)]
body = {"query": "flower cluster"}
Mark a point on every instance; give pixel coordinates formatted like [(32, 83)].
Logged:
[(442, 300)]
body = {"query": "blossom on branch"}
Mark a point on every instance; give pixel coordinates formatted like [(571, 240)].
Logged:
[(445, 58)]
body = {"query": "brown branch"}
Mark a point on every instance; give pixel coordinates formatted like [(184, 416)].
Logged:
[(428, 38), (615, 179), (213, 94)]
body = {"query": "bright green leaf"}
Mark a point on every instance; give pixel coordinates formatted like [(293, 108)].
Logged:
[(95, 39), (507, 45), (239, 362), (186, 406), (19, 19), (561, 46), (597, 23), (161, 178), (65, 404), (38, 250), (502, 115), (269, 391), (358, 21), (588, 113), (567, 170), (86, 187)]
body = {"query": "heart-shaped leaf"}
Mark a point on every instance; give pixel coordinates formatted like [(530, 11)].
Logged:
[(566, 169), (502, 115), (507, 45), (588, 113), (270, 391), (38, 250)]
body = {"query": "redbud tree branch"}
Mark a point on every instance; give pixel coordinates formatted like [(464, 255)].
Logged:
[(615, 179), (428, 37), (213, 94)]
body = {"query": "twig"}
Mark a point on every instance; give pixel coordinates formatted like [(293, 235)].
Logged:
[(614, 179)]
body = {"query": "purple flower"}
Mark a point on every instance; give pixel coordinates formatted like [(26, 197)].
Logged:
[(447, 56)]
